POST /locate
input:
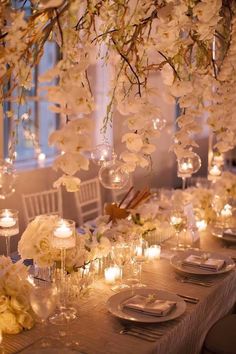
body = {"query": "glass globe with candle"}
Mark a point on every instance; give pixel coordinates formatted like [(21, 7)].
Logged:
[(63, 238), (101, 153), (9, 226), (112, 174), (187, 166)]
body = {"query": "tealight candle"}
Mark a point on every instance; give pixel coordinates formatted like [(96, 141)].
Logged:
[(111, 274), (63, 236), (153, 252), (7, 220), (176, 220), (201, 225)]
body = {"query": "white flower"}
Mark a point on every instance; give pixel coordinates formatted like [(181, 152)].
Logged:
[(71, 162), (71, 183), (133, 141), (9, 323)]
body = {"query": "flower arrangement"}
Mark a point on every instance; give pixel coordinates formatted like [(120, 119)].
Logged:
[(35, 243), (15, 310), (191, 43), (226, 185)]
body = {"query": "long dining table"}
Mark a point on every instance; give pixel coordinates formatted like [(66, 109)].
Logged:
[(97, 331)]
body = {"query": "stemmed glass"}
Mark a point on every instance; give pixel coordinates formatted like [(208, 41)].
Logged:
[(9, 226), (121, 255), (63, 238), (43, 300), (178, 221), (139, 258)]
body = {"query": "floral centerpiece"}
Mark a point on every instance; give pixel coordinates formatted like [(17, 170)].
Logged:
[(15, 310), (36, 244)]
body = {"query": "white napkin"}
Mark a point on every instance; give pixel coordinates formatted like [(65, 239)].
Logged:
[(212, 264), (229, 232), (149, 305)]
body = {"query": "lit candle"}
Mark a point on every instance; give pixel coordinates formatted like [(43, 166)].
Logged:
[(41, 159), (116, 179), (186, 166), (201, 225), (153, 252), (175, 220), (226, 211), (215, 171), (7, 220), (111, 274), (63, 236), (63, 231)]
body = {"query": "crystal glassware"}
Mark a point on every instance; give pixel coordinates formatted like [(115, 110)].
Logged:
[(139, 258), (121, 254), (43, 301), (63, 238), (178, 221), (9, 226), (188, 166)]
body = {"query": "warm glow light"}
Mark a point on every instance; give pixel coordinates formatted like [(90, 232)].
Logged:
[(215, 171), (153, 252), (201, 225), (226, 211), (111, 274), (7, 220)]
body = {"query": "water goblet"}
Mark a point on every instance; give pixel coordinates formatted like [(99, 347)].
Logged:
[(138, 259), (178, 221), (121, 255)]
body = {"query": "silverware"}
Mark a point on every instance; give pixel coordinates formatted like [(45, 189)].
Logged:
[(137, 335), (190, 299), (155, 331), (195, 281)]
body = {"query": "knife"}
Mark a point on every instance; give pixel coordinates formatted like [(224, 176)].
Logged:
[(190, 299)]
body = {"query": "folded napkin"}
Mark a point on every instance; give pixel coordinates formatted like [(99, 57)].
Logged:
[(149, 305), (212, 264), (229, 232)]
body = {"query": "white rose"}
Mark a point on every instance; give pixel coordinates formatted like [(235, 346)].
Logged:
[(12, 285), (25, 320), (19, 302), (9, 324)]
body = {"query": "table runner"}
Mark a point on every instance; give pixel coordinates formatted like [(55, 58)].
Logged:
[(98, 331)]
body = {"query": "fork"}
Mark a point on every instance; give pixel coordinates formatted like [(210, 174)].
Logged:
[(138, 334), (195, 281)]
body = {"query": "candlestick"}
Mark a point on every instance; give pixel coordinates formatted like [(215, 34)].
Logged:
[(8, 226)]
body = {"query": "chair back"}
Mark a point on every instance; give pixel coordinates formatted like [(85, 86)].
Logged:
[(45, 202), (88, 201)]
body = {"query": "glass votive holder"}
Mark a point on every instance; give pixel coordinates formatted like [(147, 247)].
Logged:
[(64, 234), (111, 274), (153, 252), (9, 226)]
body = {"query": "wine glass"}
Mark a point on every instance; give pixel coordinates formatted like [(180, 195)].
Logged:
[(43, 300), (121, 255), (138, 259), (178, 220)]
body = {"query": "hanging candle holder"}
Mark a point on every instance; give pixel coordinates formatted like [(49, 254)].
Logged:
[(187, 166), (214, 172), (101, 153), (158, 123), (112, 174), (7, 179)]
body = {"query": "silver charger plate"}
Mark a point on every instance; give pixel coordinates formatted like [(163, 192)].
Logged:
[(177, 262), (114, 305), (219, 233)]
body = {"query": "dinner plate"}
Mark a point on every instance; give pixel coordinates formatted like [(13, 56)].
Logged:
[(218, 232), (177, 262), (114, 305)]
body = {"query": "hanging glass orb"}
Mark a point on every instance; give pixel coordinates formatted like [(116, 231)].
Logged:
[(158, 123), (102, 153), (7, 179), (112, 174), (188, 165)]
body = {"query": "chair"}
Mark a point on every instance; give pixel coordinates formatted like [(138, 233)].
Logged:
[(88, 201), (221, 338), (45, 202), (118, 194)]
